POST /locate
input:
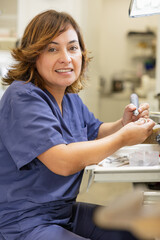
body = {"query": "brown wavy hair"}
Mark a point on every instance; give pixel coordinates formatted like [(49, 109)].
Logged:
[(38, 34)]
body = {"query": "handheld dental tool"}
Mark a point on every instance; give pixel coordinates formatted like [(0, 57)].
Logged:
[(134, 100)]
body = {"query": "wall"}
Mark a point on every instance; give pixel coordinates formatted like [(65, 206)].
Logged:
[(115, 23), (27, 9), (91, 28)]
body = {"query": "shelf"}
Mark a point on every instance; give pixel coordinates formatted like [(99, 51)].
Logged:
[(143, 57), (141, 34)]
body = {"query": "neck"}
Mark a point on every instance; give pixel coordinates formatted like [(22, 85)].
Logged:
[(58, 95)]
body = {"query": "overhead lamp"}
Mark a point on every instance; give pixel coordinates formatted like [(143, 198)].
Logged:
[(140, 8)]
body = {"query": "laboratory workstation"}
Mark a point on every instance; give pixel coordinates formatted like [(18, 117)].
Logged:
[(79, 119)]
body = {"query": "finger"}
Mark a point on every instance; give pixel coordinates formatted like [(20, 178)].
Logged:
[(130, 107), (141, 121), (135, 118), (144, 114), (150, 123), (143, 107)]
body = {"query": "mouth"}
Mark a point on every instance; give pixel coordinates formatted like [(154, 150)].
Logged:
[(64, 70)]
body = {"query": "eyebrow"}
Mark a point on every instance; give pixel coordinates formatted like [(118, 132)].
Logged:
[(73, 41)]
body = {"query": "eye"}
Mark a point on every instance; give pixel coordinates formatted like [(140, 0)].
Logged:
[(74, 48), (52, 49)]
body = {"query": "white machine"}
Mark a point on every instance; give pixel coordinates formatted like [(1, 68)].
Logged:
[(140, 8)]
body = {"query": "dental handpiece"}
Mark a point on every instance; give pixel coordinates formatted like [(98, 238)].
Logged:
[(134, 100)]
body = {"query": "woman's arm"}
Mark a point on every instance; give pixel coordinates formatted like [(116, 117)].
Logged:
[(69, 159), (107, 129)]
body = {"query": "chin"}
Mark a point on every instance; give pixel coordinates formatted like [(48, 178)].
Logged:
[(69, 83)]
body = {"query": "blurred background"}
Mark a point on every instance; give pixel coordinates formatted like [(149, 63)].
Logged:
[(124, 50)]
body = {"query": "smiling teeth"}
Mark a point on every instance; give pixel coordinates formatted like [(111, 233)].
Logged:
[(64, 70)]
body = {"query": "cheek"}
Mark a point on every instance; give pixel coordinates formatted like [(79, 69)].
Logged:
[(79, 63), (42, 65), (39, 64)]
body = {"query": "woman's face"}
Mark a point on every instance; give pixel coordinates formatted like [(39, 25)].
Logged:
[(60, 63)]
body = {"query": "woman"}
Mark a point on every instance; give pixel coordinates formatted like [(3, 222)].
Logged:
[(48, 136)]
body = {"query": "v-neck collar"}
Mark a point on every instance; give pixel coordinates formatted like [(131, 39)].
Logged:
[(55, 102), (65, 116)]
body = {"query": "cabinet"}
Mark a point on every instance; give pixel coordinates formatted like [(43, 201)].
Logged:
[(142, 50)]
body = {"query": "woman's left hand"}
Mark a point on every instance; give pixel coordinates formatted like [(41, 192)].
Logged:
[(128, 113)]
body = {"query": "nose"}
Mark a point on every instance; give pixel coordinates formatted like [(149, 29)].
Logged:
[(64, 57)]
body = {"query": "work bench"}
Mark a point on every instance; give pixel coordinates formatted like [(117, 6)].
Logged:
[(127, 173)]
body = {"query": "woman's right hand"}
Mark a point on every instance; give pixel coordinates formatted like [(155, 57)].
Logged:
[(136, 132)]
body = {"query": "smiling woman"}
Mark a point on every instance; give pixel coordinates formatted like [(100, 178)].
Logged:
[(60, 63), (35, 41), (51, 136)]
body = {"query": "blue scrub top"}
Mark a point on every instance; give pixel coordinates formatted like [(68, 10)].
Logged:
[(31, 123)]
